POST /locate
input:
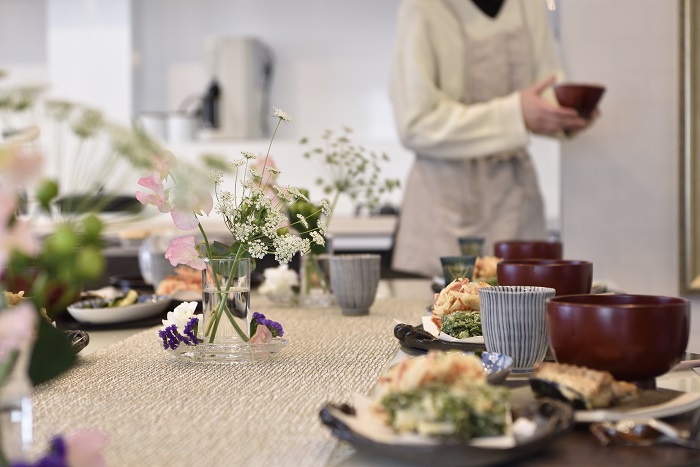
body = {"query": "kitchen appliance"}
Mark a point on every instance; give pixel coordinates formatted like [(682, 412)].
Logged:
[(236, 104)]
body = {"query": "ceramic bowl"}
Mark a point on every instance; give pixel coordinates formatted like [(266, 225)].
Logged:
[(582, 97), (528, 249), (634, 337), (567, 277), (95, 311)]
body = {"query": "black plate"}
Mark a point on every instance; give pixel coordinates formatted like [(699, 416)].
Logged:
[(417, 339), (553, 419)]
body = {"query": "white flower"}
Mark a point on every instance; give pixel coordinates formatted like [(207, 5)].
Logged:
[(248, 155), (279, 281), (282, 115), (303, 221), (318, 238), (297, 193), (181, 315)]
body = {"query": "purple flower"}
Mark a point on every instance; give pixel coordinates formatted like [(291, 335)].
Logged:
[(273, 326), (190, 337), (170, 337)]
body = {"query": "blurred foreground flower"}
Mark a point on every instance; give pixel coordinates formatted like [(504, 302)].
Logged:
[(79, 449)]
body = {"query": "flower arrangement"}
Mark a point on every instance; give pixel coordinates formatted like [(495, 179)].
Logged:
[(47, 271), (182, 324), (346, 169), (349, 169), (254, 215)]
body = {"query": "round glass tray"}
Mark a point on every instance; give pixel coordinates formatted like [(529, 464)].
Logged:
[(231, 350)]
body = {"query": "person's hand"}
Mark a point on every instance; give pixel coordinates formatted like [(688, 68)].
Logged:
[(544, 118)]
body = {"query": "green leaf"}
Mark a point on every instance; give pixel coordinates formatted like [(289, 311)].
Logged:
[(52, 354)]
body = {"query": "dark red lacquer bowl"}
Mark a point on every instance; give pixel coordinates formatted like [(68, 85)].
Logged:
[(567, 277), (528, 249), (582, 97), (634, 337)]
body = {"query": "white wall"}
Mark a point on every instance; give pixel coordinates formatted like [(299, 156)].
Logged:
[(333, 61), (620, 180)]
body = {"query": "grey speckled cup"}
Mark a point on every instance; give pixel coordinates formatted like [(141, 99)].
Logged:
[(354, 281)]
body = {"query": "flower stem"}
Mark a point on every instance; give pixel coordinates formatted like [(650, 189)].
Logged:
[(213, 325)]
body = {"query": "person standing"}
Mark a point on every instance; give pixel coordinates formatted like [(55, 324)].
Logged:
[(470, 80)]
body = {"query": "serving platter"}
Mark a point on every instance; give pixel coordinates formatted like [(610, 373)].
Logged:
[(416, 339), (552, 420), (95, 310)]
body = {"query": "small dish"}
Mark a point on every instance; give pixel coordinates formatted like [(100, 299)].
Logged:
[(94, 311), (552, 419), (233, 351)]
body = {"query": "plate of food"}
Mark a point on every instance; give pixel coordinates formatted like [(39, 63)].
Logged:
[(454, 322), (596, 396), (124, 308), (475, 425)]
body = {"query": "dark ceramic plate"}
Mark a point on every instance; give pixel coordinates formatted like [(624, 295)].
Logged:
[(552, 418), (416, 339)]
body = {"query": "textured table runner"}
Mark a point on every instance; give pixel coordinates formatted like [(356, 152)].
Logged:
[(158, 410)]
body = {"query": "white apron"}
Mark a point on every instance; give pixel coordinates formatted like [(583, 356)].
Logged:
[(496, 196)]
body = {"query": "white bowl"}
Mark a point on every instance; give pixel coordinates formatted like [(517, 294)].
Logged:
[(95, 311)]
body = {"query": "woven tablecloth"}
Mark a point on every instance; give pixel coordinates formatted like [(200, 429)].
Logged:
[(158, 410)]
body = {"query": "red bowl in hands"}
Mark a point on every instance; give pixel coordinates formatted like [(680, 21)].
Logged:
[(634, 337), (528, 249), (582, 97), (567, 277)]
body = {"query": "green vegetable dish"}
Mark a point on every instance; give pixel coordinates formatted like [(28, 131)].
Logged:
[(462, 324), (449, 412)]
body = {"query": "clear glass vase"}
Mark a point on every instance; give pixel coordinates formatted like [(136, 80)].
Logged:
[(225, 300), (223, 331), (315, 283), (16, 431)]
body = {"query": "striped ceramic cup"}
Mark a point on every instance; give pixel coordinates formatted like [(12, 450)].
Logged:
[(513, 321), (354, 281)]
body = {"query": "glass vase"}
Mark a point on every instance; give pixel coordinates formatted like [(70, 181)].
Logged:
[(224, 327), (315, 283), (15, 405), (225, 301)]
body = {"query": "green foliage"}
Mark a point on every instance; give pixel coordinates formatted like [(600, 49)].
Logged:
[(52, 354)]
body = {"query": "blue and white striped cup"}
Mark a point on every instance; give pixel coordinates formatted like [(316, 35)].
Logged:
[(513, 321)]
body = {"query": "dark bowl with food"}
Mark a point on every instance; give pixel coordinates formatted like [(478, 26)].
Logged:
[(567, 277), (634, 337), (528, 249), (582, 97)]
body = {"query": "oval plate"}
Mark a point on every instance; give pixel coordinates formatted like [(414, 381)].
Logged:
[(552, 418), (94, 311)]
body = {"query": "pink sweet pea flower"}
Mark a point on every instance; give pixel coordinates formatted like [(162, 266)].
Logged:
[(19, 238), (190, 201), (182, 250), (85, 449), (16, 325), (158, 198), (262, 335), (162, 162), (183, 219)]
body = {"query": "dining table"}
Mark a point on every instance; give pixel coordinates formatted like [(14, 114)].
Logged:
[(160, 410)]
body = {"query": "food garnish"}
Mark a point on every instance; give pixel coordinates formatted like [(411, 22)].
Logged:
[(462, 324)]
